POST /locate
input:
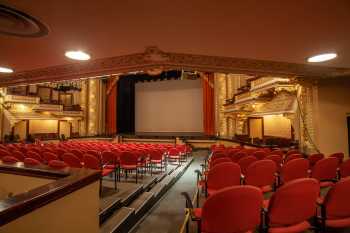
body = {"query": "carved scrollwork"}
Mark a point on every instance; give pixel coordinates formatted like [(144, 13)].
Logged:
[(154, 58)]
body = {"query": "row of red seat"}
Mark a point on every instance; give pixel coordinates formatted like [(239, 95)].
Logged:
[(104, 156), (243, 209), (256, 167)]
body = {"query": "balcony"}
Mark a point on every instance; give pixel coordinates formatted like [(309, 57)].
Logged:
[(246, 96), (267, 82), (48, 107), (21, 99)]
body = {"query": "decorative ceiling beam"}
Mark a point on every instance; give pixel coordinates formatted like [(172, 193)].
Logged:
[(154, 58)]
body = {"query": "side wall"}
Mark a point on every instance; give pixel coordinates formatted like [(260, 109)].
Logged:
[(333, 109)]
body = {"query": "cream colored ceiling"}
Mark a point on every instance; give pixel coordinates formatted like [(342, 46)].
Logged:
[(285, 31)]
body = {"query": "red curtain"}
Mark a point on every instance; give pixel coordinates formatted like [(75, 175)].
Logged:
[(111, 106), (208, 104)]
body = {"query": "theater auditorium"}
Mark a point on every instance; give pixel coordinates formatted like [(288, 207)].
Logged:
[(181, 116)]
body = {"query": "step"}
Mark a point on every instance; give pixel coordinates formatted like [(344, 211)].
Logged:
[(121, 221), (161, 177), (131, 195), (159, 189), (152, 180), (142, 203), (167, 180), (107, 206)]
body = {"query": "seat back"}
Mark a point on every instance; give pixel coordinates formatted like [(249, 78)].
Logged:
[(261, 173), (108, 157), (90, 161), (34, 155), (277, 159), (314, 158), (48, 156), (224, 175), (325, 169), (337, 200), (78, 153), (9, 159), (233, 209), (245, 162), (128, 158), (57, 164), (345, 169), (31, 162), (260, 154), (4, 153), (295, 169), (339, 156), (292, 157), (218, 161), (72, 160), (294, 202), (19, 155), (239, 155)]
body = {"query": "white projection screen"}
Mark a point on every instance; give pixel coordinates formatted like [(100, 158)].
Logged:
[(169, 106)]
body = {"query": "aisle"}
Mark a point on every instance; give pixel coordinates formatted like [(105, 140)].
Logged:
[(168, 215)]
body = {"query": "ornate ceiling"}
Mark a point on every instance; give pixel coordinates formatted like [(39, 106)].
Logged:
[(232, 36)]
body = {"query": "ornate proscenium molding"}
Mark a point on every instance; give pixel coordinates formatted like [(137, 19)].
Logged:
[(154, 58)]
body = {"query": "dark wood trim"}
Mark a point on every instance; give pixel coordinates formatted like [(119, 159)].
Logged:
[(58, 129), (45, 87), (27, 129), (65, 182), (262, 125)]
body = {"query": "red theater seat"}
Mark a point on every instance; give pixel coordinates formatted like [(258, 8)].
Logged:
[(314, 158), (295, 169), (57, 164), (221, 176), (129, 162), (31, 162), (19, 155), (232, 209), (325, 171), (4, 153), (277, 159), (261, 174), (345, 169), (34, 155), (291, 206), (260, 154), (339, 156), (72, 160), (48, 156), (245, 162), (10, 159), (335, 209), (292, 157)]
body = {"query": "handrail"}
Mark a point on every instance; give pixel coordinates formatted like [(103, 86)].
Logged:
[(184, 226)]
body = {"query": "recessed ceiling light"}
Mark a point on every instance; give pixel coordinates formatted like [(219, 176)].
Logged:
[(77, 55), (5, 70), (322, 57)]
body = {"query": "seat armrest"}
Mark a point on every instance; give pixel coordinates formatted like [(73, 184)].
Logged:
[(189, 204)]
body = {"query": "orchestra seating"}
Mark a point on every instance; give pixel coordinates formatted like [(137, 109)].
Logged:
[(134, 176), (295, 192)]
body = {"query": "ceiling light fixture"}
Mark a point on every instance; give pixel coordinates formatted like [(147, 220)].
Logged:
[(77, 55), (322, 57), (5, 70)]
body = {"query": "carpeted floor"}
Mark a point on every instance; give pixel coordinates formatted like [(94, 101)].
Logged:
[(168, 215)]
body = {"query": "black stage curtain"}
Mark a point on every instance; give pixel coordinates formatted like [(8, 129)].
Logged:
[(126, 105)]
